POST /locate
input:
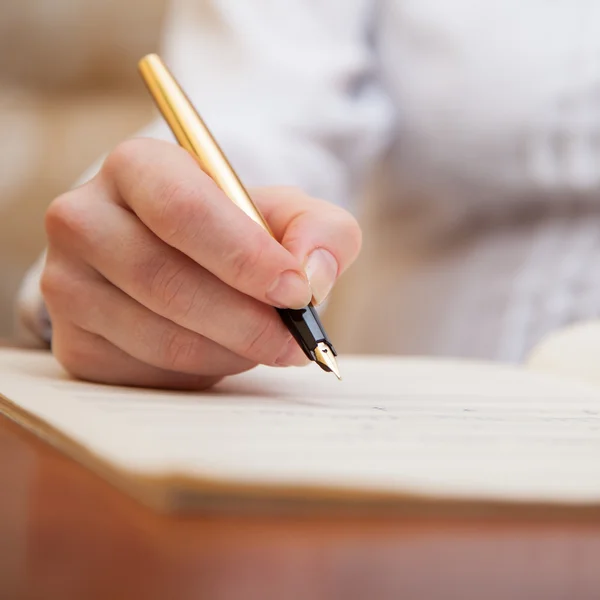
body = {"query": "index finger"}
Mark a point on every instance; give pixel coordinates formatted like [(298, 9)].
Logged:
[(165, 187)]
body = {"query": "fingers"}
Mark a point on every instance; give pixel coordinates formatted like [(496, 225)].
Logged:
[(325, 238), (90, 357), (170, 194), (154, 277), (142, 334), (116, 245)]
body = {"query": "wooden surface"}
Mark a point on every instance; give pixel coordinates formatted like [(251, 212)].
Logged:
[(65, 534)]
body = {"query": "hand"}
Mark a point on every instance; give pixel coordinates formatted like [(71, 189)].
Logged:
[(155, 278)]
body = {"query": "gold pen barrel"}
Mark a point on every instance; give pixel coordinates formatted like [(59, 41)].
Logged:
[(193, 135)]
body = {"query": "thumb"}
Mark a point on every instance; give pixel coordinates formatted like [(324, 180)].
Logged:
[(323, 237)]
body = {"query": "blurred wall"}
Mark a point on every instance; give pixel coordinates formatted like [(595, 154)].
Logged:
[(69, 91)]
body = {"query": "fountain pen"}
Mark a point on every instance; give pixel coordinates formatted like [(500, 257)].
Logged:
[(192, 134)]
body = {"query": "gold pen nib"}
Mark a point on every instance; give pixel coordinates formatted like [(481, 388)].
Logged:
[(326, 359)]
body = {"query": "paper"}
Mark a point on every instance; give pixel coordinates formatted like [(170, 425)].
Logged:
[(393, 426)]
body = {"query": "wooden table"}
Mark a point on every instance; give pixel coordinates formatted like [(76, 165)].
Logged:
[(65, 534)]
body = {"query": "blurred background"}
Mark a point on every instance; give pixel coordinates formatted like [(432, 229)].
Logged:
[(69, 91)]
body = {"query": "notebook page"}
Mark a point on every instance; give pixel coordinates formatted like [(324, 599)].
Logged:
[(434, 428)]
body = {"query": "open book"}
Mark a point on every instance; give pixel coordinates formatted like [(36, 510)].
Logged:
[(395, 431)]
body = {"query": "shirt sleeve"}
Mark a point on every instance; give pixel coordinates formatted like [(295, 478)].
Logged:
[(289, 89)]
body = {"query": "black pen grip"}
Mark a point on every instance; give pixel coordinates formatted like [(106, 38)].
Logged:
[(306, 327)]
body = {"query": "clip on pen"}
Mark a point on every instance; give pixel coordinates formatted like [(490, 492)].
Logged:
[(193, 135)]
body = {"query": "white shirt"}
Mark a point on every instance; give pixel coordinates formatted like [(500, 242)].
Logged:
[(487, 113)]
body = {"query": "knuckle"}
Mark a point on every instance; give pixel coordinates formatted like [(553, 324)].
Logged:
[(264, 341), (75, 351), (182, 213), (55, 283), (65, 216), (173, 287), (67, 294), (302, 200), (245, 261), (175, 350), (69, 356), (124, 156)]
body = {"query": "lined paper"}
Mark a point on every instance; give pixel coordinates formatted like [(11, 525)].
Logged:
[(398, 426)]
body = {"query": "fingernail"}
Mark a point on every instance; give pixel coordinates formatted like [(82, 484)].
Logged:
[(289, 290), (321, 269), (292, 356)]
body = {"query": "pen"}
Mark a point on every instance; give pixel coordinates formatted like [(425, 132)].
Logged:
[(192, 134)]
